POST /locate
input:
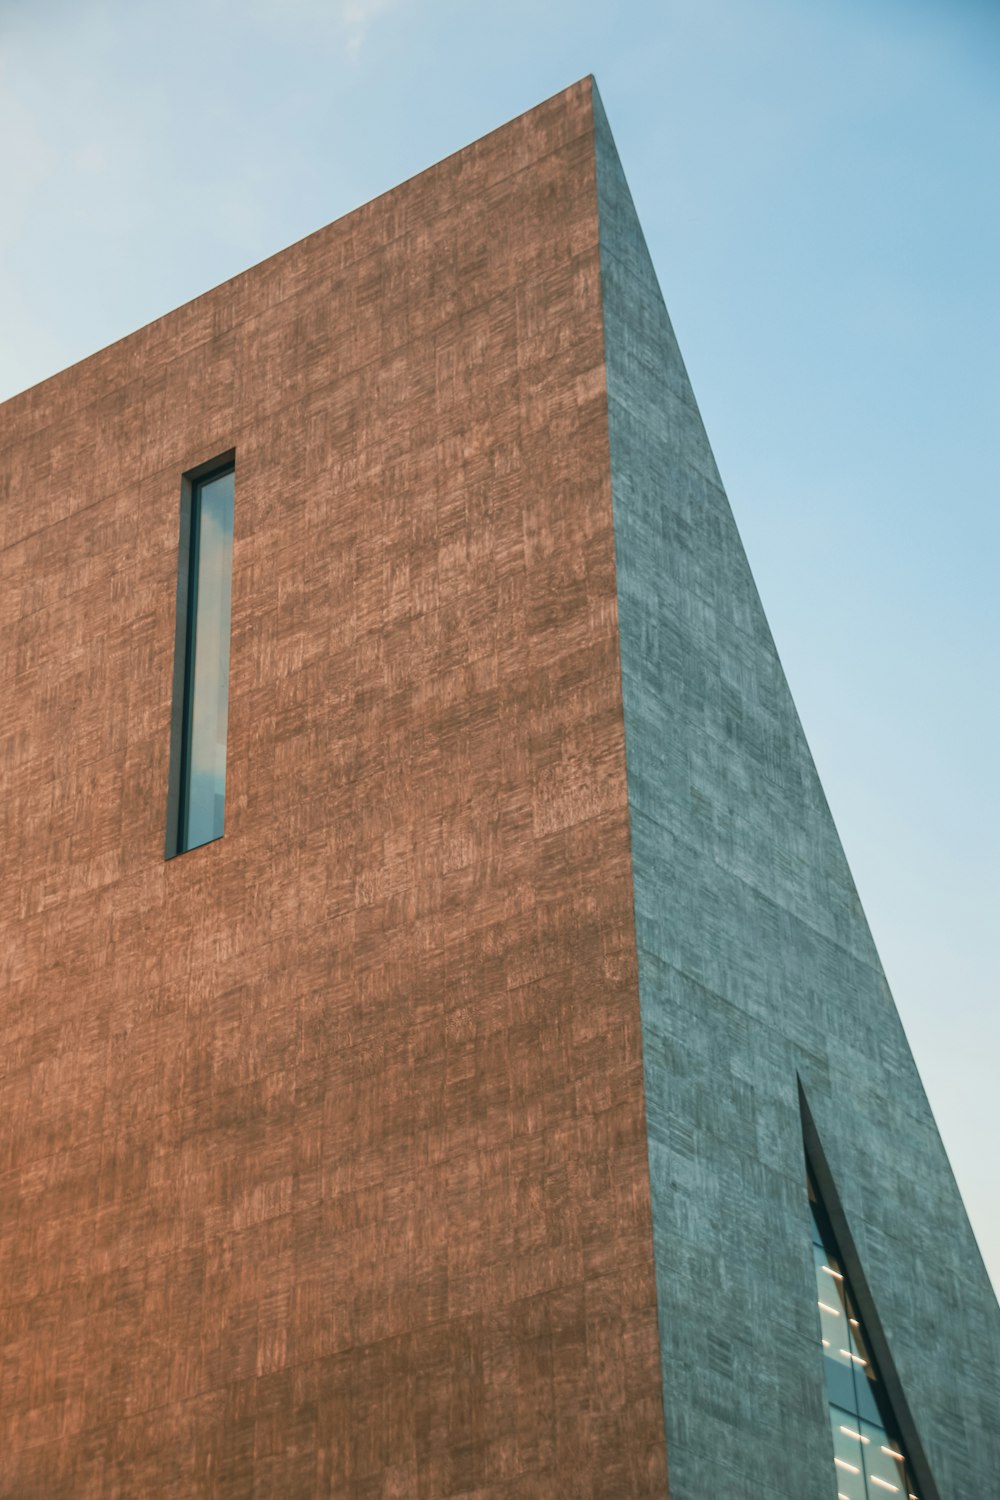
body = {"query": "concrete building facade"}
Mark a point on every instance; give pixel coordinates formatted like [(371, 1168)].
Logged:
[(441, 1129)]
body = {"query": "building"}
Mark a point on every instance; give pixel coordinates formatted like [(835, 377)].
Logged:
[(444, 1128)]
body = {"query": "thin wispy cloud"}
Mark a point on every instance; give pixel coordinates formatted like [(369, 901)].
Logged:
[(357, 19), (346, 22)]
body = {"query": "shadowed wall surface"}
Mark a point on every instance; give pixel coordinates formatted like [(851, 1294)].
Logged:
[(324, 1165), (756, 971)]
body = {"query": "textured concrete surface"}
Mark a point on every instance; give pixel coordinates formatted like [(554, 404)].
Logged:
[(323, 1164), (325, 1167), (756, 968)]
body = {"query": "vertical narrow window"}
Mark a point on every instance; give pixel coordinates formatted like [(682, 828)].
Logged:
[(868, 1454), (196, 804)]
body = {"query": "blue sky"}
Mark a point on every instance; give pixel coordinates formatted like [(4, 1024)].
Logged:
[(818, 184)]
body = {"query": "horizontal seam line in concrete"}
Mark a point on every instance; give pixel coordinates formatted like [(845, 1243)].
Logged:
[(875, 968)]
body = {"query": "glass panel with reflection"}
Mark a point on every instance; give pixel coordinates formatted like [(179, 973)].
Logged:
[(868, 1457), (203, 776)]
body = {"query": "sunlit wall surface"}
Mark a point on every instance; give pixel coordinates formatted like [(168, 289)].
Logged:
[(206, 691), (868, 1456)]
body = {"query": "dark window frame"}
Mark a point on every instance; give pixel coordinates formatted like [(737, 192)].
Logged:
[(192, 482), (831, 1221)]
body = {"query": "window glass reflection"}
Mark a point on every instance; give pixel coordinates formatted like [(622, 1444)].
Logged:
[(868, 1457), (848, 1454), (203, 780)]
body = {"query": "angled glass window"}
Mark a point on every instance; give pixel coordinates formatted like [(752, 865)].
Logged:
[(197, 796), (868, 1455)]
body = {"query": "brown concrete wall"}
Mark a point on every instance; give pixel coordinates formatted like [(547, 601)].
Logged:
[(322, 1166)]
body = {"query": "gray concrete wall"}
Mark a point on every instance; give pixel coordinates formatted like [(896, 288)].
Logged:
[(757, 969)]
